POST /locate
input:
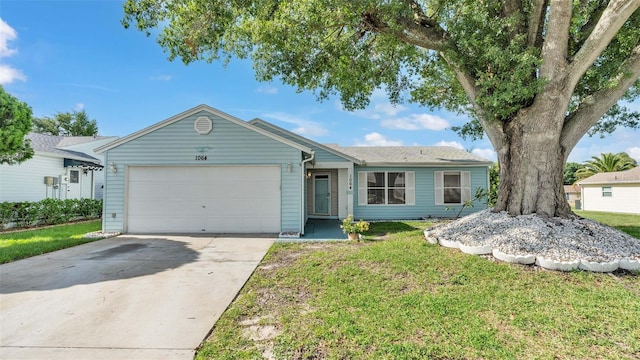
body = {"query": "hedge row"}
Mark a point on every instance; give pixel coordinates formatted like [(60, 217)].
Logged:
[(48, 212)]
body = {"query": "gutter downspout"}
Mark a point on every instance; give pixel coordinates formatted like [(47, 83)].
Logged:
[(302, 193)]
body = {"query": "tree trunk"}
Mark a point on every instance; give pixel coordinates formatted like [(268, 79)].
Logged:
[(532, 160)]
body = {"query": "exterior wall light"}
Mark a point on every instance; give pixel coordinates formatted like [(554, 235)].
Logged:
[(112, 167)]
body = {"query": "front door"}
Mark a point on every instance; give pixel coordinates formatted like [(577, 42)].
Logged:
[(321, 194), (74, 183)]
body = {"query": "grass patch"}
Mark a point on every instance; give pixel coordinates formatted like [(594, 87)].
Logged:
[(402, 298), (628, 223), (22, 244)]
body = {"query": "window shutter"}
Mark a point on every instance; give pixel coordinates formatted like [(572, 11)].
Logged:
[(439, 183), (410, 188), (362, 188), (465, 178)]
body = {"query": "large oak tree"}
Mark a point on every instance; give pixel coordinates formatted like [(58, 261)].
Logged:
[(534, 75)]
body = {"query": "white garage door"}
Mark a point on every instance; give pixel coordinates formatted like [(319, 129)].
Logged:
[(215, 199)]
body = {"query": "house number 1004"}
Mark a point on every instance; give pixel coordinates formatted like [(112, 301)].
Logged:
[(201, 157)]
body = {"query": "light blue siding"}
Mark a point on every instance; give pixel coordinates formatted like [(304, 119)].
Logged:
[(227, 144), (424, 195)]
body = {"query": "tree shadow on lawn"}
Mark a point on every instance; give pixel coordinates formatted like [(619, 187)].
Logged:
[(381, 230), (100, 261)]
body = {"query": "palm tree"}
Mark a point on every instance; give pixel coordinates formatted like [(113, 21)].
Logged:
[(606, 163)]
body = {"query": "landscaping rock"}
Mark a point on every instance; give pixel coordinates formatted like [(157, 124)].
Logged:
[(560, 244)]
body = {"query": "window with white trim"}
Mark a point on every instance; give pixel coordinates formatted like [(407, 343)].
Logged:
[(452, 187), (606, 191), (386, 188)]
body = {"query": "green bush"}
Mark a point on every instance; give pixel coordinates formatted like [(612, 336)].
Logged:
[(48, 211), (7, 213), (27, 213)]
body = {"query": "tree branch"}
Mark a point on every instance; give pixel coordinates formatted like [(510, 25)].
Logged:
[(590, 111), (419, 30), (536, 23), (588, 27), (492, 128), (612, 19), (554, 48)]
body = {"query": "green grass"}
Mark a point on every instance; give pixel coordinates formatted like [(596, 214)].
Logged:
[(402, 298), (628, 223), (27, 243)]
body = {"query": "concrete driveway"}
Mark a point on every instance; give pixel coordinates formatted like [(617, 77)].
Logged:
[(128, 297)]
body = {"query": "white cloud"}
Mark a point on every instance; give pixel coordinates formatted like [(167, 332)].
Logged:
[(634, 152), (163, 77), (455, 144), (78, 107), (7, 33), (8, 74), (270, 90), (377, 139), (417, 122), (389, 109), (305, 127), (488, 154)]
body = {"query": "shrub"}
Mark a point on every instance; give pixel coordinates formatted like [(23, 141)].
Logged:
[(48, 211), (27, 213), (7, 213), (51, 212)]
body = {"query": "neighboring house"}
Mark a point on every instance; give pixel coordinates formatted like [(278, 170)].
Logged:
[(63, 167), (207, 171), (617, 191), (572, 194)]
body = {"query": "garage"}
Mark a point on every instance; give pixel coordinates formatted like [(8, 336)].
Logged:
[(203, 199)]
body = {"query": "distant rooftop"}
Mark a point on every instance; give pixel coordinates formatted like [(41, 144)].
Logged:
[(627, 176), (52, 144)]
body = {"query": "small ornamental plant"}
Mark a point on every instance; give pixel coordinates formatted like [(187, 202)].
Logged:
[(354, 229)]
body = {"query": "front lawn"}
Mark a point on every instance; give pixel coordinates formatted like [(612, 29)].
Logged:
[(401, 298), (22, 244), (628, 223)]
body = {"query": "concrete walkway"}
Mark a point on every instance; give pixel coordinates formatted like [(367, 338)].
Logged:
[(133, 297)]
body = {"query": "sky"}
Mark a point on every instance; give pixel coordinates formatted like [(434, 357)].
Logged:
[(61, 56)]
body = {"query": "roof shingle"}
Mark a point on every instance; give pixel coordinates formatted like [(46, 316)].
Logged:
[(431, 155)]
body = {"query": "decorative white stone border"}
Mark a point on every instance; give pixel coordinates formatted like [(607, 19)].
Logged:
[(476, 250), (627, 264), (514, 259), (557, 265), (599, 266)]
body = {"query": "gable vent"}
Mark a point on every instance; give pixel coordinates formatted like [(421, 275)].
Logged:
[(203, 125)]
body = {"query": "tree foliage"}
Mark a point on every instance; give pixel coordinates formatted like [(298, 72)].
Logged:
[(535, 76), (415, 50), (607, 162), (15, 124), (75, 123), (569, 173)]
